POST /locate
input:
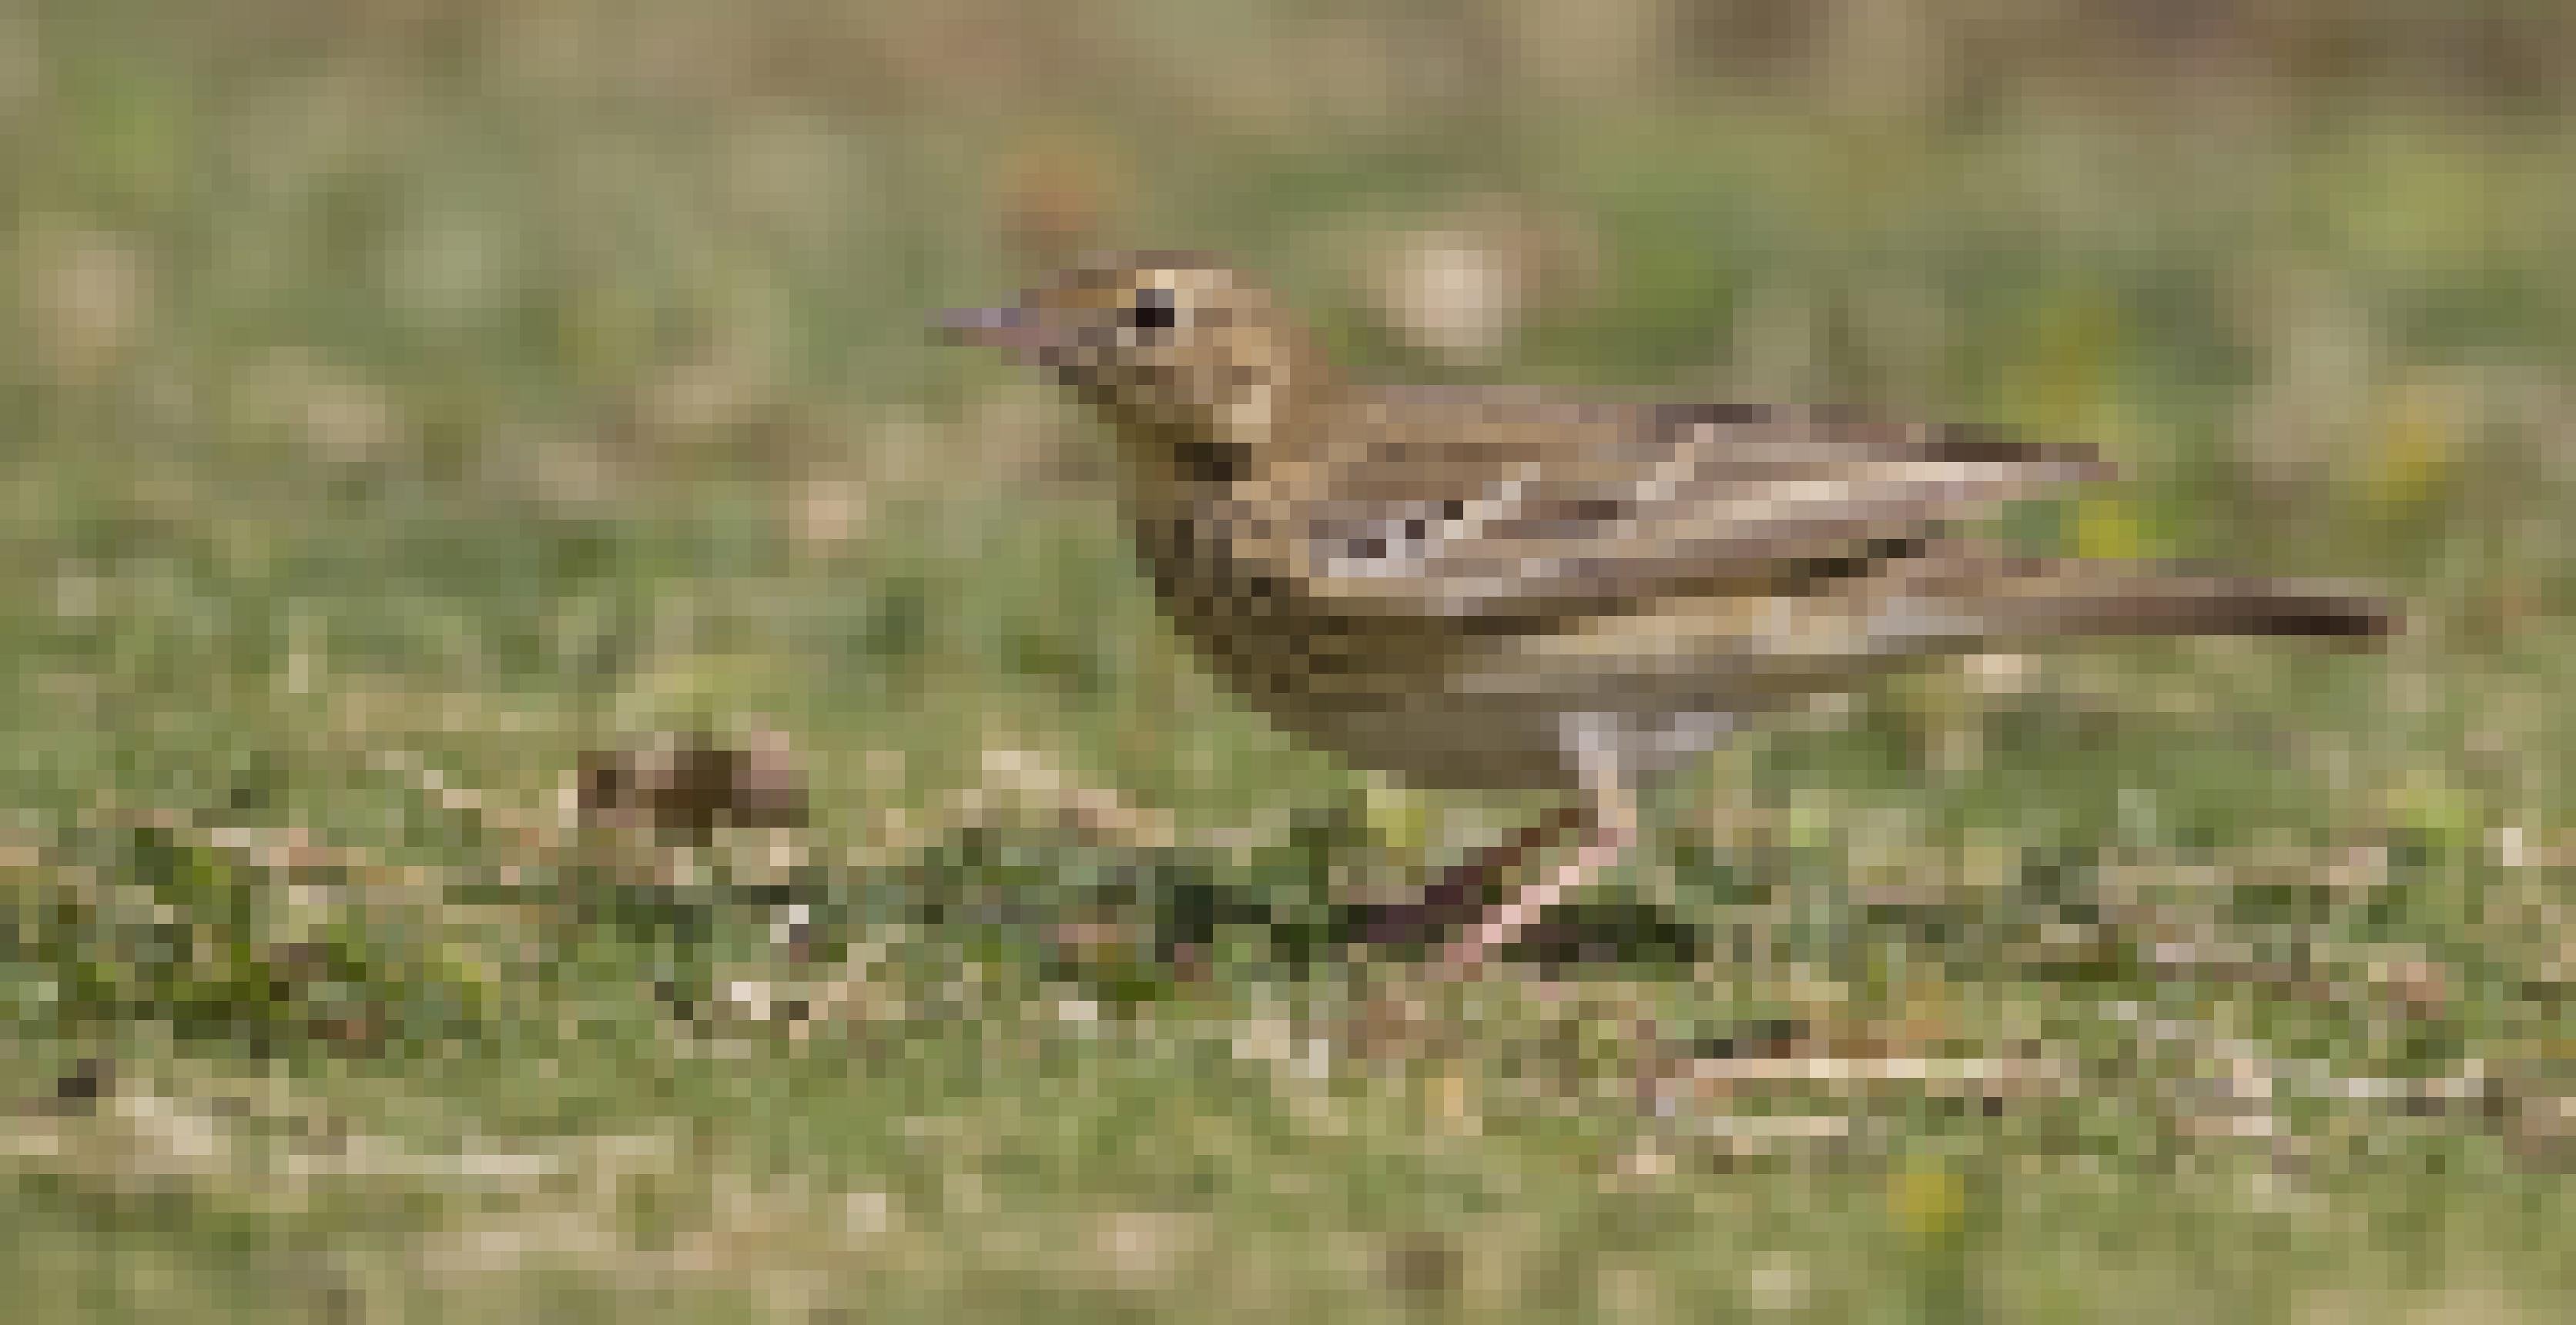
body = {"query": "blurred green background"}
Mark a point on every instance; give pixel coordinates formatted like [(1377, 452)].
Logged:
[(409, 409)]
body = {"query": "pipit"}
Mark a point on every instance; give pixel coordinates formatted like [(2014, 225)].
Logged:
[(1506, 587)]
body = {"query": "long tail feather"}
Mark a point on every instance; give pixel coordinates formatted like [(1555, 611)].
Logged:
[(2035, 598)]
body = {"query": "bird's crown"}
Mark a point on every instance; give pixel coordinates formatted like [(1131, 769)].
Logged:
[(1166, 343)]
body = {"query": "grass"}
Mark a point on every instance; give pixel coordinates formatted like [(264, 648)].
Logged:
[(400, 415)]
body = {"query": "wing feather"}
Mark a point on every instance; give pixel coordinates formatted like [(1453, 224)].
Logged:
[(1573, 511)]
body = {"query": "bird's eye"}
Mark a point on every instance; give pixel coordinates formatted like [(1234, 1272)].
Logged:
[(1153, 310)]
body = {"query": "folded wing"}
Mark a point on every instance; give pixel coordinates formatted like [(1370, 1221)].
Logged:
[(1574, 511)]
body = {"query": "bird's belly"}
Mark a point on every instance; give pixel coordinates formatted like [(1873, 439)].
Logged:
[(1442, 727), (1420, 699), (1380, 708), (1382, 702), (1433, 741)]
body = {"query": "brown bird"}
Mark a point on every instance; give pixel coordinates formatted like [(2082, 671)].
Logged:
[(1500, 587)]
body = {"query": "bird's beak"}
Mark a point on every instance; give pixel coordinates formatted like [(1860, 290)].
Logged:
[(1005, 328)]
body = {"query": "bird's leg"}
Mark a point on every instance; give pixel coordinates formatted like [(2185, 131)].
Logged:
[(1610, 817), (1459, 895)]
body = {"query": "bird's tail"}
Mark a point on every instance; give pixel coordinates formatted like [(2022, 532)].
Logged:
[(2033, 598)]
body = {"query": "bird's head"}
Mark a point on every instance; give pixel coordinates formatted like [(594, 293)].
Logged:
[(1188, 359)]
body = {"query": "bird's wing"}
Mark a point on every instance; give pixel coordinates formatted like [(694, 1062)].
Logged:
[(1448, 508)]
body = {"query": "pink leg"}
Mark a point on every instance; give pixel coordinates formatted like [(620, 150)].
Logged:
[(1614, 827), (1459, 895)]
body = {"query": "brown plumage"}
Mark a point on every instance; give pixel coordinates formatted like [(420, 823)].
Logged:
[(1505, 587)]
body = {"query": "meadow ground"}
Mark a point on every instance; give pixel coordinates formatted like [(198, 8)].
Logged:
[(406, 405)]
